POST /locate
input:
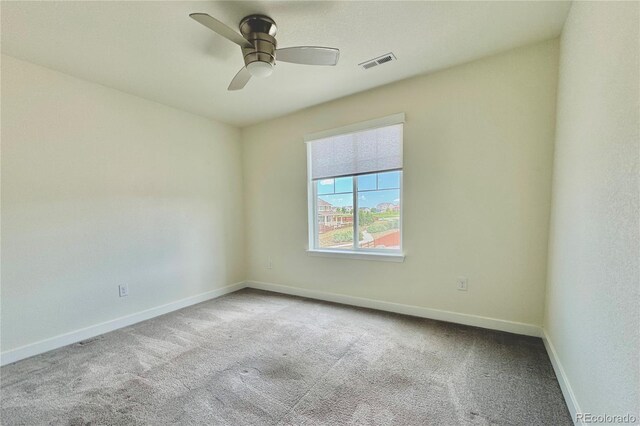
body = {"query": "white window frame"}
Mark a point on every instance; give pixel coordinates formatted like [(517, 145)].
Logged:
[(392, 255)]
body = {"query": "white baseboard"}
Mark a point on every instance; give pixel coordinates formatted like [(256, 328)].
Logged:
[(417, 311), (563, 380), (55, 342)]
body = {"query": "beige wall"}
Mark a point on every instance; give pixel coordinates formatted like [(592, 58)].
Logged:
[(477, 178), (101, 188), (593, 301)]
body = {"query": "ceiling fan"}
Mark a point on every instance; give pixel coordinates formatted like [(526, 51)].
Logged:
[(259, 48)]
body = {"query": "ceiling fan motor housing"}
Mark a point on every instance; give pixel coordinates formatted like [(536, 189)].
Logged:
[(260, 31)]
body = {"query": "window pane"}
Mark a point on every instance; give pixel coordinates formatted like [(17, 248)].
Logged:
[(366, 182), (325, 186), (379, 219), (389, 180), (335, 217), (344, 184)]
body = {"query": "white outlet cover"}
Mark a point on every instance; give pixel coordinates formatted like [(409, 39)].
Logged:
[(123, 290), (463, 284)]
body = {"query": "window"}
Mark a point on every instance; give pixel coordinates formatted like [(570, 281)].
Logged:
[(355, 188)]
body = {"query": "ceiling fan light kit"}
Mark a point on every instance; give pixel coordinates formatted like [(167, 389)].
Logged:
[(260, 69), (259, 47)]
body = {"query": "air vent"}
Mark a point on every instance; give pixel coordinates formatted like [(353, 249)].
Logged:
[(378, 61)]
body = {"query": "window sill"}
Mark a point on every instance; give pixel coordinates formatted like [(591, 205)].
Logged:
[(357, 255)]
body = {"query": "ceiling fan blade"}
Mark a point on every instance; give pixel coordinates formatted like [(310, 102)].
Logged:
[(220, 28), (308, 55), (240, 80)]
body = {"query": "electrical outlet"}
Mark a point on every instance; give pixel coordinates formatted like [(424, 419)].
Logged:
[(269, 264), (463, 284), (123, 290)]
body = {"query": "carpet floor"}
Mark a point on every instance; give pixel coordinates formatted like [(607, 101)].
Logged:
[(260, 358)]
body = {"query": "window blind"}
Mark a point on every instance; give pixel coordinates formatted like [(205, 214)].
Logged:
[(358, 152)]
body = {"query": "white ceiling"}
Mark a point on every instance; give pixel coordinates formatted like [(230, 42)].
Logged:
[(154, 50)]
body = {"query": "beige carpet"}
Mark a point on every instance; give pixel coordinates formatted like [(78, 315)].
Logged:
[(259, 358)]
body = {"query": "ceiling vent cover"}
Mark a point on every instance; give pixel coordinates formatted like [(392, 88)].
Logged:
[(378, 61)]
